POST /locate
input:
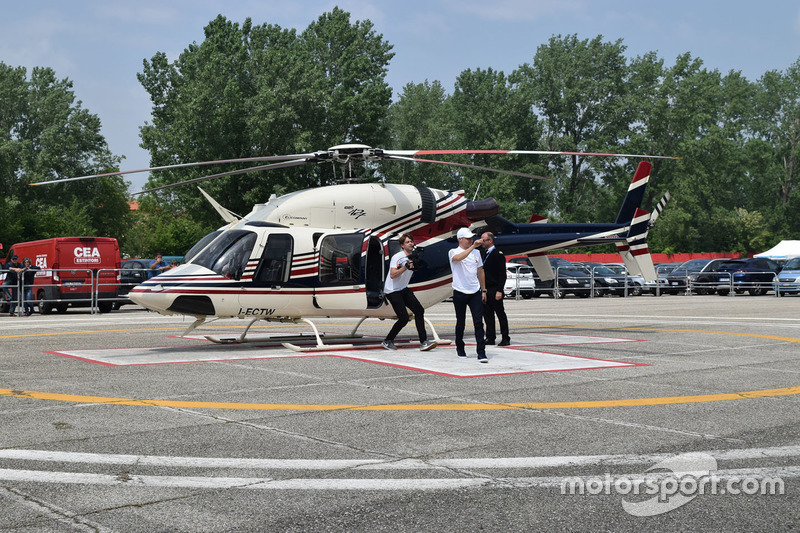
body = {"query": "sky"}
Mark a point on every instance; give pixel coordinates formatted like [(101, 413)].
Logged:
[(100, 44)]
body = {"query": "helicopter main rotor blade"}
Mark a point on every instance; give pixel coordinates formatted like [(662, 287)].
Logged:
[(517, 152), (181, 165), (465, 165), (284, 164)]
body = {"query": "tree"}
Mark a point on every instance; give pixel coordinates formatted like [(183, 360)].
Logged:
[(419, 120), (45, 134), (774, 149), (349, 62), (579, 90), (249, 91), (488, 112)]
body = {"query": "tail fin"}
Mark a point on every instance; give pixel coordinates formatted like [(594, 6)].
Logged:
[(659, 207), (635, 193), (542, 265), (634, 251)]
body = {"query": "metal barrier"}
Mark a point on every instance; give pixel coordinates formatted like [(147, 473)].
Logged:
[(60, 292), (559, 293), (518, 295), (733, 288)]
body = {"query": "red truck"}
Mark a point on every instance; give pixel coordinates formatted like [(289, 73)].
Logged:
[(72, 268)]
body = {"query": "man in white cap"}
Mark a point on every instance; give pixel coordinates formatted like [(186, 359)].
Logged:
[(469, 290)]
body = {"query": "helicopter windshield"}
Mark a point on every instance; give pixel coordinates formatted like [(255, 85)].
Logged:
[(197, 248), (228, 255)]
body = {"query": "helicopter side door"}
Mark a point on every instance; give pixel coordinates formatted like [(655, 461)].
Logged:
[(263, 294), (350, 271)]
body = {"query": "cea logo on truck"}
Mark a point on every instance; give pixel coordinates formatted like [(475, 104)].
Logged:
[(87, 254)]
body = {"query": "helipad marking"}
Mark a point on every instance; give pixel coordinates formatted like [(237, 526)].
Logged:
[(517, 359), (632, 402)]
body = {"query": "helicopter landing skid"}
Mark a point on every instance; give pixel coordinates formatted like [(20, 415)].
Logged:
[(244, 338), (321, 347)]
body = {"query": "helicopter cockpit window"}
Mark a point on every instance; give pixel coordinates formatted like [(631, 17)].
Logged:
[(202, 243), (340, 258), (228, 255), (276, 263)]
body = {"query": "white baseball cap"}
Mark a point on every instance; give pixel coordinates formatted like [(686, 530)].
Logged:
[(465, 233)]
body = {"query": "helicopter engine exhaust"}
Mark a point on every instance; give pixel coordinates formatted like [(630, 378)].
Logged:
[(482, 209)]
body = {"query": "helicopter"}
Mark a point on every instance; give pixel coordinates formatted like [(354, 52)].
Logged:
[(324, 252)]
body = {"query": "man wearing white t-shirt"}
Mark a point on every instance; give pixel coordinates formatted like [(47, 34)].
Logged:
[(469, 290), (396, 289)]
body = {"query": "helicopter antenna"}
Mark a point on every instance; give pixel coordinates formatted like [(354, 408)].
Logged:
[(476, 191)]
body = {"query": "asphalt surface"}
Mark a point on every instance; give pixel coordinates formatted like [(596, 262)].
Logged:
[(254, 438)]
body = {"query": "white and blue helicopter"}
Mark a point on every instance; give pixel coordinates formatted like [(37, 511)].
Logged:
[(324, 252)]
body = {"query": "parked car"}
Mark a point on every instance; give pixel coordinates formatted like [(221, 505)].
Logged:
[(519, 277), (638, 283), (570, 281), (685, 275), (606, 281), (132, 273), (789, 278), (666, 268), (756, 276)]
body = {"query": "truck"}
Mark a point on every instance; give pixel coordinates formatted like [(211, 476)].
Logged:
[(72, 270)]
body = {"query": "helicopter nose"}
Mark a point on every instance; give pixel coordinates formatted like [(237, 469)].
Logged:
[(164, 293), (151, 296)]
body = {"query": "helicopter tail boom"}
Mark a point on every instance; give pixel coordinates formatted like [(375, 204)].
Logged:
[(634, 251)]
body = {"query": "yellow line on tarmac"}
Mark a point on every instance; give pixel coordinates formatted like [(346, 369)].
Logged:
[(631, 402)]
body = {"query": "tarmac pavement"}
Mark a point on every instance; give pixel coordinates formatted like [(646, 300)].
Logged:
[(115, 423)]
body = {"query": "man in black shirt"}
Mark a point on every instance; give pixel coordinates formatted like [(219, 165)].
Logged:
[(11, 283), (494, 267), (28, 275)]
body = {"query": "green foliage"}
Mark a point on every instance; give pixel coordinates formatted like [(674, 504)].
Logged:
[(155, 231), (253, 90), (579, 89), (46, 134), (250, 90)]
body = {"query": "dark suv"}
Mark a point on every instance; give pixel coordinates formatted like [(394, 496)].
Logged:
[(686, 274), (756, 276), (570, 280), (606, 281), (132, 273)]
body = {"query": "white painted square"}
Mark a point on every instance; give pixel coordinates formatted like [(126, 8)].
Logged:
[(519, 358)]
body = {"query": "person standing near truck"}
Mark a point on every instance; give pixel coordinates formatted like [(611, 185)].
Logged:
[(11, 283), (28, 275)]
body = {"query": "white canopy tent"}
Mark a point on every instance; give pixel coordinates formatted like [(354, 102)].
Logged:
[(782, 250)]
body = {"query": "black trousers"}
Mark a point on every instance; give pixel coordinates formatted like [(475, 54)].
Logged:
[(491, 308), (474, 301), (400, 300)]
